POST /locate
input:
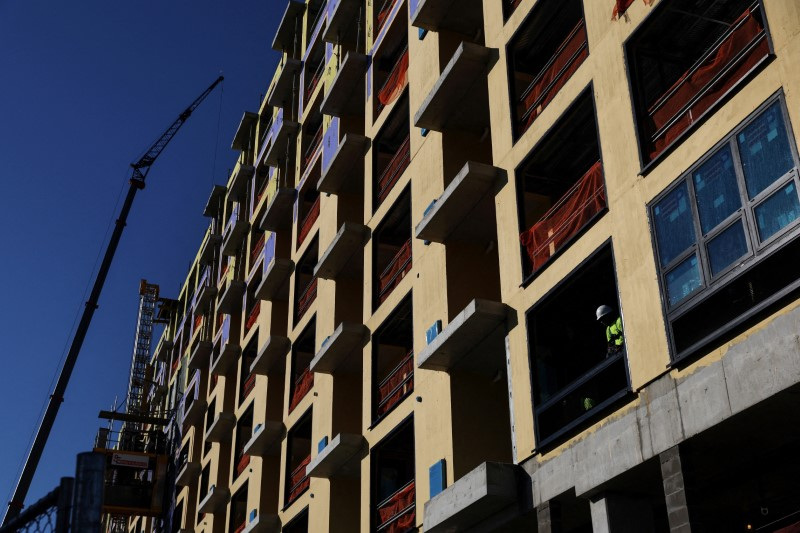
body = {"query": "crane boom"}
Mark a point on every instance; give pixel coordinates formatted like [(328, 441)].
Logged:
[(140, 170)]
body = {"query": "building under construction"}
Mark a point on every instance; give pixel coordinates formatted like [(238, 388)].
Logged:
[(511, 265)]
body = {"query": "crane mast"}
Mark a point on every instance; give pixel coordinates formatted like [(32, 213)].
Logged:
[(137, 181)]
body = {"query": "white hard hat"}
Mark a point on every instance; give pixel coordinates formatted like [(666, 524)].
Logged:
[(603, 310)]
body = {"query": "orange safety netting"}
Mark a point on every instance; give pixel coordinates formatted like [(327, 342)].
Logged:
[(244, 460), (544, 87), (248, 385), (308, 221), (566, 218), (241, 527), (395, 271), (257, 250), (198, 321), (394, 169), (299, 481), (384, 14), (175, 364), (742, 48), (253, 316), (621, 6), (396, 82), (307, 298), (397, 385), (400, 510), (302, 385)]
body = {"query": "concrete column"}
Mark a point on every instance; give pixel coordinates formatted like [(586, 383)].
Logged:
[(548, 516), (617, 513), (675, 491)]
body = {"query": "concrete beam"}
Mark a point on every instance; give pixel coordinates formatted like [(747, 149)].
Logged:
[(341, 457), (346, 167), (617, 513), (350, 238), (346, 338)]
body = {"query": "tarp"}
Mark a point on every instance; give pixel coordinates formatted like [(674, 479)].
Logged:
[(299, 481), (307, 298), (308, 221), (397, 268), (396, 82), (400, 508), (388, 397), (394, 169)]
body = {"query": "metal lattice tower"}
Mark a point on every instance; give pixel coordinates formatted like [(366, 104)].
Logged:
[(137, 401)]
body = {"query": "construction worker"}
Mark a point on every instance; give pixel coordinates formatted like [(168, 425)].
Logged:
[(614, 335)]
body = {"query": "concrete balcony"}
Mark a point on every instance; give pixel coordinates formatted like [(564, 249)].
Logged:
[(460, 16), (459, 99), (489, 489), (333, 356), (205, 293), (210, 243), (242, 138), (230, 296), (285, 35), (225, 361), (215, 501), (278, 215), (270, 523), (349, 240), (341, 457), (201, 350), (216, 201), (235, 231), (266, 440), (273, 350), (275, 280), (287, 79), (480, 330), (345, 94), (221, 428), (237, 185), (454, 213), (162, 349), (342, 14), (188, 474), (343, 172), (282, 140), (193, 414)]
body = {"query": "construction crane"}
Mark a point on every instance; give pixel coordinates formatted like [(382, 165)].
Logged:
[(140, 171)]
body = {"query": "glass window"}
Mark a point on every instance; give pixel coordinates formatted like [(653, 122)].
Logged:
[(716, 190), (777, 211), (764, 150), (683, 280), (727, 247), (674, 226)]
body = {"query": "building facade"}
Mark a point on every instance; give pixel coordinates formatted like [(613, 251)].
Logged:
[(392, 321)]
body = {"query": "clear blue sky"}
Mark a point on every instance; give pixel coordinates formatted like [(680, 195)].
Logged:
[(86, 87)]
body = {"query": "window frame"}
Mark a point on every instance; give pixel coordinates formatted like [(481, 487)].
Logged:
[(757, 250)]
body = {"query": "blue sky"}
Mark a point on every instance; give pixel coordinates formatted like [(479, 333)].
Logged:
[(86, 87)]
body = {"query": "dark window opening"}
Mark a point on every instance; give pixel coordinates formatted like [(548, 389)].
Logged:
[(509, 6), (302, 354), (205, 482), (312, 133), (579, 368), (299, 456), (316, 10), (544, 54), (308, 204), (305, 283), (314, 68), (244, 430), (238, 515), (252, 305), (686, 58), (247, 380), (392, 249), (393, 488), (257, 240), (393, 366), (299, 524), (391, 152), (177, 518), (561, 186), (380, 12)]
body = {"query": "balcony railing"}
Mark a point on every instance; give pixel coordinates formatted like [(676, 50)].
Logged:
[(252, 316), (313, 147), (395, 271), (307, 298), (314, 81), (298, 481), (308, 221), (241, 527), (571, 213), (259, 246), (397, 513), (247, 387), (301, 386), (555, 74), (392, 172), (397, 385), (231, 221)]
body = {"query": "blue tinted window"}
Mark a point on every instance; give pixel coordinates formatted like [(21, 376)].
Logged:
[(764, 150), (683, 280), (673, 222), (716, 190), (727, 247), (777, 211)]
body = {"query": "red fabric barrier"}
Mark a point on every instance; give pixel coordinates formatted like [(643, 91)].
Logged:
[(257, 250), (302, 385), (676, 103), (396, 82), (313, 146), (198, 321), (621, 6), (298, 480), (308, 221), (568, 57), (241, 527), (398, 267), (307, 298), (176, 364), (401, 509), (248, 385), (384, 14), (244, 460), (394, 169), (388, 397), (252, 317), (569, 214)]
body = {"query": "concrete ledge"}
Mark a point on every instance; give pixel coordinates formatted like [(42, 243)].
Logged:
[(266, 441), (341, 457), (284, 36), (282, 90), (199, 356), (270, 523), (277, 149), (450, 103), (274, 284), (230, 300), (194, 414), (346, 167), (461, 16), (243, 131), (227, 357), (344, 14), (232, 239), (220, 429), (346, 338), (345, 94), (206, 294), (208, 247), (188, 474), (215, 201), (215, 501), (463, 335), (278, 215), (350, 238), (483, 492), (237, 186), (457, 201), (273, 350)]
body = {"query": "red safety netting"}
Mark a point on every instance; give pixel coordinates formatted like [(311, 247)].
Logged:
[(566, 218), (400, 510), (621, 6), (383, 15), (313, 147), (257, 250), (198, 321), (396, 385), (244, 460), (241, 527), (253, 316), (307, 298), (394, 169), (176, 364), (248, 385), (308, 221), (395, 271), (566, 60), (299, 481), (302, 385), (744, 46), (224, 272), (396, 82)]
